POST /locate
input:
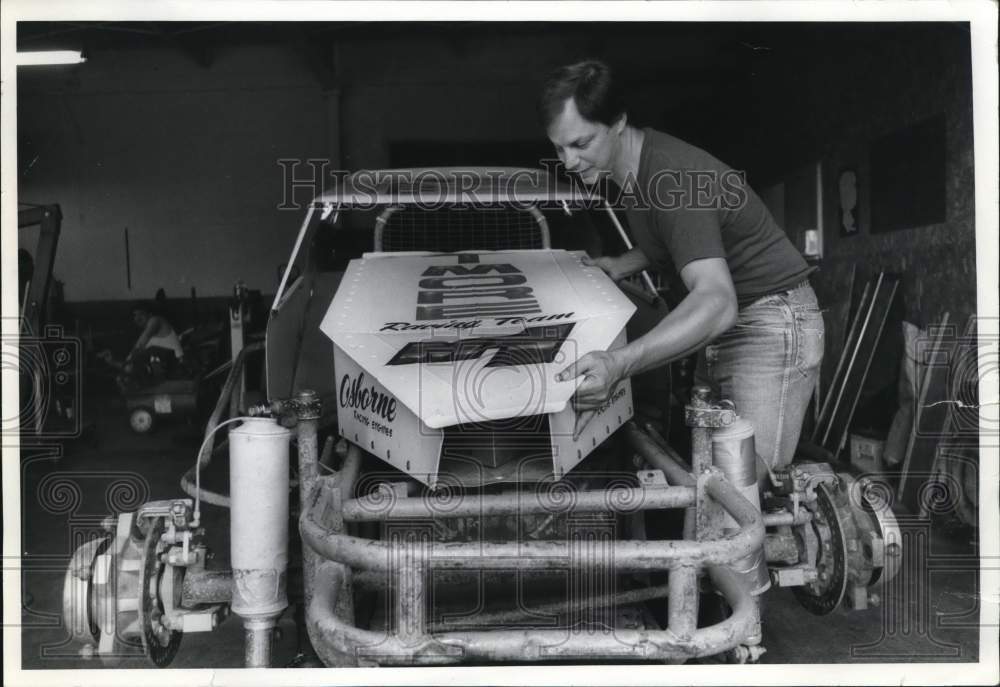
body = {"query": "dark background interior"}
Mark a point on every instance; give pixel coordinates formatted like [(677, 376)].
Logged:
[(173, 132)]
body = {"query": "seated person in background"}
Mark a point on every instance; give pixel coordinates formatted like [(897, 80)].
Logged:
[(156, 352)]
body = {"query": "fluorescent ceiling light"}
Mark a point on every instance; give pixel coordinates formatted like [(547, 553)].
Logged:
[(25, 59)]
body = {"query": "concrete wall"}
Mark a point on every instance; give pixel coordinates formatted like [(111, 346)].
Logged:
[(182, 156)]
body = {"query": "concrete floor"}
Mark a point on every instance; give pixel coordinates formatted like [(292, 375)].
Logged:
[(929, 612)]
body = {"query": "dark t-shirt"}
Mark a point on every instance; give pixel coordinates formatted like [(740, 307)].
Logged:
[(692, 206)]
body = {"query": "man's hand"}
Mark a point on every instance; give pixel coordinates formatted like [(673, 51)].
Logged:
[(601, 371)]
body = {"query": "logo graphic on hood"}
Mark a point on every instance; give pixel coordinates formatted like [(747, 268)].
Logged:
[(530, 346)]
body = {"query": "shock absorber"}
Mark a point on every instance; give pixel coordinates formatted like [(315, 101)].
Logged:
[(258, 487), (734, 453)]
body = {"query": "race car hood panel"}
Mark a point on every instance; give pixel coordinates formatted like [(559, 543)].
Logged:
[(472, 337)]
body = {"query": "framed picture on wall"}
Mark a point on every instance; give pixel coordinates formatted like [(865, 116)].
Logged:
[(849, 209)]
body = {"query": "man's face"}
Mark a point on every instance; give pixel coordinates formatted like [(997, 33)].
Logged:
[(584, 147)]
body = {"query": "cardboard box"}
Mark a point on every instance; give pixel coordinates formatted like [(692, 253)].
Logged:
[(866, 451), (459, 352)]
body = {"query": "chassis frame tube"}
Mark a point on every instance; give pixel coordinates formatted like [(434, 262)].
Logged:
[(664, 459), (787, 518), (682, 602), (339, 642), (308, 459), (675, 472), (623, 500), (626, 556), (341, 639)]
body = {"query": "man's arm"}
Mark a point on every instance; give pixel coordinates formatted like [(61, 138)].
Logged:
[(147, 333), (621, 266), (707, 311)]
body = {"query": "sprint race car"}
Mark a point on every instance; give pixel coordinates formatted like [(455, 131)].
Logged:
[(422, 488)]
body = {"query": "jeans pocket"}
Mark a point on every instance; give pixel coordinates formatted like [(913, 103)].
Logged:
[(810, 337)]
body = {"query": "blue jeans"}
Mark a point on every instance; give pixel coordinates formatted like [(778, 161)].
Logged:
[(767, 364)]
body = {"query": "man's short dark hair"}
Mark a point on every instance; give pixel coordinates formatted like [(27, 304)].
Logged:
[(591, 85)]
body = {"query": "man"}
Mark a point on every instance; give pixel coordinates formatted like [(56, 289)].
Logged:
[(155, 353), (749, 309)]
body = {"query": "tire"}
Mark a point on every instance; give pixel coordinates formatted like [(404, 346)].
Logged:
[(142, 420)]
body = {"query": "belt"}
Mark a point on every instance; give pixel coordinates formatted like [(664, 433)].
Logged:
[(801, 285)]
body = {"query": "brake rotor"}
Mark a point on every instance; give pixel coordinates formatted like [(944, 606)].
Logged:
[(833, 527)]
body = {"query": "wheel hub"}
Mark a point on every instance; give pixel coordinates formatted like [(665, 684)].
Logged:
[(111, 594)]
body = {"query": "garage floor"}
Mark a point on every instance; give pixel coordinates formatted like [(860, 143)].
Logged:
[(929, 613)]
